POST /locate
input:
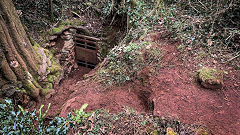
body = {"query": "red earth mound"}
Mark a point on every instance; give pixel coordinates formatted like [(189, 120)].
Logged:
[(172, 92)]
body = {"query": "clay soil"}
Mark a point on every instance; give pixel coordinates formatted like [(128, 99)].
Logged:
[(173, 91)]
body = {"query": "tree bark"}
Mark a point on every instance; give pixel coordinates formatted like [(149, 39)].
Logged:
[(17, 58), (51, 10)]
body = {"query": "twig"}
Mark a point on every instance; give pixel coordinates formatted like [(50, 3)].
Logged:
[(76, 14), (232, 58), (203, 5), (189, 2)]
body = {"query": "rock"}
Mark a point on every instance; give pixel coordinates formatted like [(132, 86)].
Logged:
[(19, 85), (47, 45), (51, 93), (51, 38), (210, 78), (52, 43), (43, 66), (14, 64), (66, 37), (67, 33), (72, 30), (75, 66), (49, 62), (8, 90), (42, 69)]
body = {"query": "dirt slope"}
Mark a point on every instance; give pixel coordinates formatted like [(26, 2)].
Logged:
[(176, 93), (172, 92)]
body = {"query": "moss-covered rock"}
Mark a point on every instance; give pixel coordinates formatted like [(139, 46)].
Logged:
[(52, 69), (210, 78), (62, 25)]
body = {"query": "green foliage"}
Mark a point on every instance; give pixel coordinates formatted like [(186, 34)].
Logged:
[(126, 61), (80, 115), (139, 16), (35, 14), (204, 23), (17, 121), (20, 121)]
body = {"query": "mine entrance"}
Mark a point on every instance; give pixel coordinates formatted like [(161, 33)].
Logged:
[(86, 50)]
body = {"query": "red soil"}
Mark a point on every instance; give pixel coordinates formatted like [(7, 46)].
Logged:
[(172, 92)]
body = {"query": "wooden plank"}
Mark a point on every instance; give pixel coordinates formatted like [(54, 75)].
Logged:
[(84, 40), (86, 55), (85, 49), (86, 46), (87, 37)]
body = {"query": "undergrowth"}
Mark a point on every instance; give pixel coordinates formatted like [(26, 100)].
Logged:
[(124, 63), (16, 121), (210, 25)]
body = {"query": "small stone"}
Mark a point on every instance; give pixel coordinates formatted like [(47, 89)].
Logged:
[(51, 38), (210, 78), (75, 66), (66, 37), (9, 90), (14, 64), (67, 33), (72, 30), (49, 62), (52, 44), (149, 47), (20, 85), (51, 93)]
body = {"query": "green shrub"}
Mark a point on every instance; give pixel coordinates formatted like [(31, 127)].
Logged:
[(126, 61), (17, 121)]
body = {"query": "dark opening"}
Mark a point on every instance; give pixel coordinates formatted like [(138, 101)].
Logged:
[(91, 44), (86, 64), (91, 65), (80, 45), (80, 42), (91, 48), (81, 63)]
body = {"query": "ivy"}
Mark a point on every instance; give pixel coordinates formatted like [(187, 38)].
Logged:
[(16, 121)]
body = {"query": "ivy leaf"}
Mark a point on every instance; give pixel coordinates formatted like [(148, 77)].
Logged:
[(21, 108)]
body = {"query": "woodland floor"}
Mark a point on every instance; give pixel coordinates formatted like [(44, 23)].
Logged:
[(173, 92)]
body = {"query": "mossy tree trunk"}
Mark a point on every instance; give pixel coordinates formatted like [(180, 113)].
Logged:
[(17, 57)]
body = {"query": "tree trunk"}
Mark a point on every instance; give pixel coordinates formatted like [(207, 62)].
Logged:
[(17, 58), (51, 10)]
